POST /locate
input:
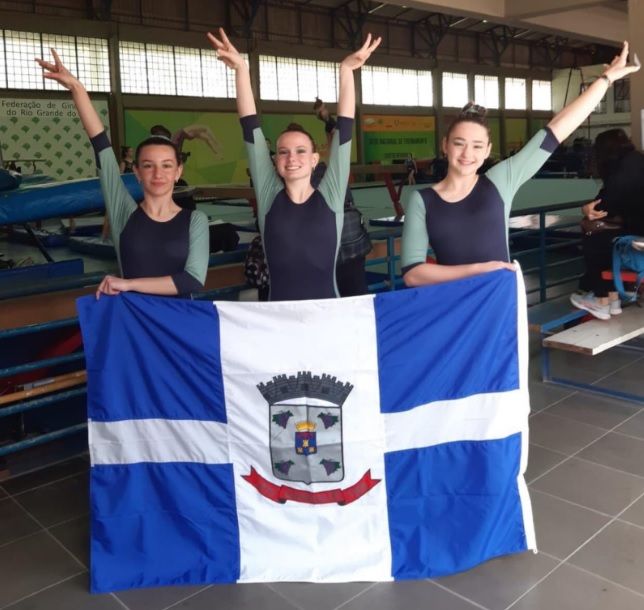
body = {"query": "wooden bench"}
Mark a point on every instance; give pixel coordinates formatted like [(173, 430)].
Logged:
[(596, 336), (590, 338)]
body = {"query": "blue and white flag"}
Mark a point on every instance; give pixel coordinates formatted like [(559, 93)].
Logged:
[(363, 439)]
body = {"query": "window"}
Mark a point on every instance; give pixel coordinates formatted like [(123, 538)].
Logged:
[(167, 70), (622, 95), (134, 76), (455, 89), (3, 64), (218, 80), (286, 78), (161, 69), (66, 48), (22, 71), (541, 95), (93, 60), (515, 94), (396, 87), (327, 80), (85, 57), (486, 90), (188, 65)]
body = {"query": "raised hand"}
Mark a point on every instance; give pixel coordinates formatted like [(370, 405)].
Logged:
[(357, 59), (226, 52), (57, 71), (619, 68)]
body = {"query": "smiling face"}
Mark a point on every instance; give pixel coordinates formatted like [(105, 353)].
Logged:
[(157, 169), (294, 158), (466, 147)]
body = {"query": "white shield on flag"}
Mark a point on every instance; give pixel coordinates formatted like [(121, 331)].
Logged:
[(306, 441)]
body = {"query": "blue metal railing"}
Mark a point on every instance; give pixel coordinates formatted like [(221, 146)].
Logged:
[(546, 240)]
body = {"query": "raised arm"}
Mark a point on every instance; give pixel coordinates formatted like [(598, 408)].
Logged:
[(227, 53), (347, 94), (265, 180), (88, 115), (570, 117)]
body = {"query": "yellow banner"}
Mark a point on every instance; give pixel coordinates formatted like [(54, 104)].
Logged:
[(381, 122)]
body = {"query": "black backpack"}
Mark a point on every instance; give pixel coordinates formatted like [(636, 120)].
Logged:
[(255, 267)]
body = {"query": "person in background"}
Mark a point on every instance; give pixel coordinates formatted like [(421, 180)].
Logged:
[(190, 132), (126, 165), (619, 206)]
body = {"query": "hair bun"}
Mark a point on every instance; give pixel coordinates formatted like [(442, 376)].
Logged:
[(294, 127), (472, 110)]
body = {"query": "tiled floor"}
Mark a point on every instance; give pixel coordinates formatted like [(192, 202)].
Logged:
[(586, 474)]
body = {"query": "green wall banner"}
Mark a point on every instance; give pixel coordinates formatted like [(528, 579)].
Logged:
[(214, 141), (389, 137), (46, 136)]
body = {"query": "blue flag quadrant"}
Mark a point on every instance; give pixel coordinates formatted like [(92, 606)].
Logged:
[(372, 438)]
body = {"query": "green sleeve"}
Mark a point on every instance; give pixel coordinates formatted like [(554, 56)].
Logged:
[(510, 174), (199, 252), (193, 276), (333, 185), (415, 240), (265, 179), (119, 204)]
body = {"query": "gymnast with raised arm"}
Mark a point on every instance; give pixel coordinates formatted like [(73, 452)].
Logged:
[(161, 248), (300, 225), (465, 216)]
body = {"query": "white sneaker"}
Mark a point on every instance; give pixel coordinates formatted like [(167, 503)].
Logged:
[(615, 307), (588, 302)]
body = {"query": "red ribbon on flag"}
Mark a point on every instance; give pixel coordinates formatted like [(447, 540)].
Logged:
[(284, 493)]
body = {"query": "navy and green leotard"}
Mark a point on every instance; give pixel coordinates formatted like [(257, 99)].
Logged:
[(475, 229), (300, 240), (144, 247)]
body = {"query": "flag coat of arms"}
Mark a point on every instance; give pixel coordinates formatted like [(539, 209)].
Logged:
[(363, 439)]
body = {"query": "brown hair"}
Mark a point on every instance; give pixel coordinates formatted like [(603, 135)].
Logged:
[(609, 149), (157, 141), (471, 113), (299, 129)]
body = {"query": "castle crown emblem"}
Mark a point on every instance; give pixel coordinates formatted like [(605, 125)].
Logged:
[(323, 387)]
